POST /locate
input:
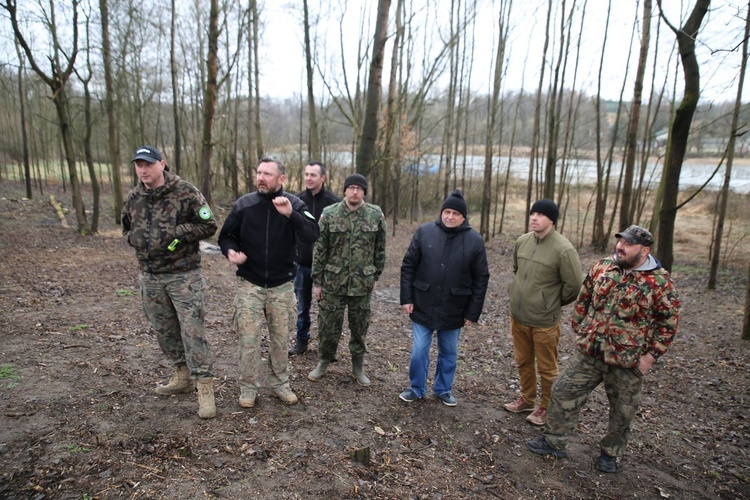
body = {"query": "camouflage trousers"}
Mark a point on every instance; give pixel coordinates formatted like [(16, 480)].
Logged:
[(175, 305), (331, 322), (278, 307), (571, 390)]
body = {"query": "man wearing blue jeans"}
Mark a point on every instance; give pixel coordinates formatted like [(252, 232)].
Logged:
[(444, 278), (316, 197)]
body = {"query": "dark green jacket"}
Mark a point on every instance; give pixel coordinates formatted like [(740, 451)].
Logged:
[(548, 276), (349, 256), (153, 218)]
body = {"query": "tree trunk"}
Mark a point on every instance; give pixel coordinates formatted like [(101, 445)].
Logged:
[(113, 128), (631, 143), (177, 155), (366, 149), (724, 194), (314, 148), (24, 127), (209, 100), (680, 129)]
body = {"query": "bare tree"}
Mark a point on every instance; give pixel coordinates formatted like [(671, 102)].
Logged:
[(57, 82), (366, 149), (724, 193), (209, 99), (631, 142), (113, 128), (24, 126), (314, 149), (680, 128)]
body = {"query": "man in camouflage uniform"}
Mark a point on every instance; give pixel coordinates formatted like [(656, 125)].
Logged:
[(164, 218), (348, 259), (259, 237), (625, 318)]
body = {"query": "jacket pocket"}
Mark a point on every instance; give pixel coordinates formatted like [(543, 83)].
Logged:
[(369, 270), (421, 285)]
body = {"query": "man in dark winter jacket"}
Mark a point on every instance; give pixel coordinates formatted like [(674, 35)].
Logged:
[(164, 218), (444, 278), (259, 237), (316, 197)]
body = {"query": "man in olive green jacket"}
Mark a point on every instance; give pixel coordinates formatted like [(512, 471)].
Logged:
[(548, 276), (348, 259)]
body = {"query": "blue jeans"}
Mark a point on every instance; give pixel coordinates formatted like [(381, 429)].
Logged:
[(303, 286), (447, 341)]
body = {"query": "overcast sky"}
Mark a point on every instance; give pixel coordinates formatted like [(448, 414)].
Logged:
[(283, 63)]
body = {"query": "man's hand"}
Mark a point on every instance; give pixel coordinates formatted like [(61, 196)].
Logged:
[(408, 308), (468, 322), (644, 364), (318, 292), (237, 258), (283, 205)]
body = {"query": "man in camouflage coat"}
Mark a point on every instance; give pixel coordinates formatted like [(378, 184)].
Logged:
[(164, 218), (625, 318), (348, 259)]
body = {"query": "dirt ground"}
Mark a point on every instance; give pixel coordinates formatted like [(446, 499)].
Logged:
[(79, 418)]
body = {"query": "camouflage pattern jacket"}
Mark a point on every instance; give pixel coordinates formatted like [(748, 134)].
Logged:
[(349, 256), (152, 219), (620, 317)]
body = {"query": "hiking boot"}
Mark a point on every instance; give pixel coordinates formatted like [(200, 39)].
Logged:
[(539, 417), (179, 383), (206, 403), (606, 463), (408, 396), (319, 371), (286, 395), (448, 399), (358, 371), (519, 405), (299, 348), (540, 446), (247, 398)]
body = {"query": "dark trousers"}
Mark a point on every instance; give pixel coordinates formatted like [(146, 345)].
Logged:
[(303, 290)]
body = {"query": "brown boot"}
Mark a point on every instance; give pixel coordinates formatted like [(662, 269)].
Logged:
[(206, 403), (179, 383)]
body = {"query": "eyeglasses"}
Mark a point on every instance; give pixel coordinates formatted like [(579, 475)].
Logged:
[(356, 188)]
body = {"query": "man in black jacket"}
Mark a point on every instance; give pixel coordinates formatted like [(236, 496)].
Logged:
[(316, 197), (444, 278), (259, 237)]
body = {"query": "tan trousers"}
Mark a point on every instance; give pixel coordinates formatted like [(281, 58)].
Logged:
[(536, 350)]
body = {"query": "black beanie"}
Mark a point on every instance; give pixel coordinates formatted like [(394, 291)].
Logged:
[(356, 180), (546, 207), (456, 202)]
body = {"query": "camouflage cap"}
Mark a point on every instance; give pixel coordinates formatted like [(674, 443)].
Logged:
[(636, 235)]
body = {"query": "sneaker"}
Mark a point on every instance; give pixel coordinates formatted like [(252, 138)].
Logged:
[(247, 399), (408, 396), (539, 417), (519, 405), (298, 348), (606, 463), (448, 399), (286, 395), (540, 446)]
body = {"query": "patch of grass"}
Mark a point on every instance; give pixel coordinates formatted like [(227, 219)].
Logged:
[(8, 372), (74, 448), (78, 327), (125, 293)]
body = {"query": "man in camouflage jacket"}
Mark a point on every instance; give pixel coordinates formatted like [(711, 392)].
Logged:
[(348, 259), (625, 318), (164, 218)]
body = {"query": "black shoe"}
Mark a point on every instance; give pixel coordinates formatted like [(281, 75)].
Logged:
[(298, 348), (606, 463), (408, 396), (540, 446)]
